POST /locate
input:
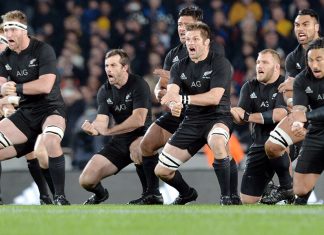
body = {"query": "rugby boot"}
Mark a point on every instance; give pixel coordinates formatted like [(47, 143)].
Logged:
[(60, 200), (93, 200), (182, 200), (148, 199), (235, 199), (225, 200), (45, 200), (269, 189), (280, 194)]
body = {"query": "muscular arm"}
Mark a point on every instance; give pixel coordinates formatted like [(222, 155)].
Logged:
[(43, 85), (136, 120), (211, 97)]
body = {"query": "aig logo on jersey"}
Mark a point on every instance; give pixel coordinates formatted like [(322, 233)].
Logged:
[(206, 74), (120, 107), (22, 72), (265, 104), (32, 63)]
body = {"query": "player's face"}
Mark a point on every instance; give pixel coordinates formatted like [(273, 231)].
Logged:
[(183, 21), (15, 37), (265, 66), (197, 46), (306, 29), (114, 69), (315, 58)]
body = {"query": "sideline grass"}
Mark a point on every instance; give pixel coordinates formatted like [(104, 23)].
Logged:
[(156, 220)]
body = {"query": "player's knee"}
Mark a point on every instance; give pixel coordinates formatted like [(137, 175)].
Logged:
[(218, 140), (167, 165), (4, 141), (273, 150), (147, 146), (301, 189), (54, 133), (246, 199), (85, 181)]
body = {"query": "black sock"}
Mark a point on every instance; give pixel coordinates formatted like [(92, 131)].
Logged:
[(48, 178), (99, 190), (57, 169), (179, 184), (234, 177), (222, 170), (281, 166), (302, 200), (35, 171), (141, 176), (152, 180)]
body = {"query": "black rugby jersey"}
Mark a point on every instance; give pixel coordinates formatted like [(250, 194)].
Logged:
[(197, 78), (309, 91), (179, 52), (295, 61), (120, 103), (256, 97), (37, 59)]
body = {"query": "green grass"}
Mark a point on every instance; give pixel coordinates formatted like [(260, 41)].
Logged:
[(164, 220)]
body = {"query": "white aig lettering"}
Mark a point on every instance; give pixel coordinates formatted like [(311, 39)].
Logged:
[(22, 72), (120, 107), (196, 84), (264, 104)]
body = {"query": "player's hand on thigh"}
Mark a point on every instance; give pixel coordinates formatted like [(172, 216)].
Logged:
[(286, 125)]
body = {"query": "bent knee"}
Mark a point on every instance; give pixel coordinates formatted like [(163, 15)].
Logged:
[(247, 199), (273, 150), (163, 173)]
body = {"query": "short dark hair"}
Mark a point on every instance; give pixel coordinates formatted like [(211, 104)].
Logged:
[(309, 12), (202, 27), (193, 11), (274, 54), (316, 44), (124, 58)]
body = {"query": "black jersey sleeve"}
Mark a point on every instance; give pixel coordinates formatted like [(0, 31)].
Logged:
[(103, 107), (299, 94), (141, 95), (290, 66), (167, 62), (174, 74), (280, 101), (245, 102), (3, 70), (222, 73), (47, 60)]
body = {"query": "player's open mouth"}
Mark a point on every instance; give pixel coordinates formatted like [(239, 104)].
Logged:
[(301, 35), (260, 72), (192, 49)]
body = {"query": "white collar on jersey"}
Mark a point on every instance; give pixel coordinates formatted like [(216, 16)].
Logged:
[(14, 24)]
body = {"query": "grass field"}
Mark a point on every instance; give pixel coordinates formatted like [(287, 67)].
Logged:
[(156, 220)]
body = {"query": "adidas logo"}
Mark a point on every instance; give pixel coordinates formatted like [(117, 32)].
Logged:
[(7, 66), (253, 96), (175, 59), (298, 66), (183, 76), (308, 90), (109, 101)]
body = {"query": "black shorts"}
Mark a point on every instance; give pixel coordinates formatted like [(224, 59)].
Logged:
[(258, 172), (30, 122), (192, 134), (311, 159), (117, 150), (168, 122), (25, 148)]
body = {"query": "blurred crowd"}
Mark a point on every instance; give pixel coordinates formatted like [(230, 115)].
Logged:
[(81, 32)]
